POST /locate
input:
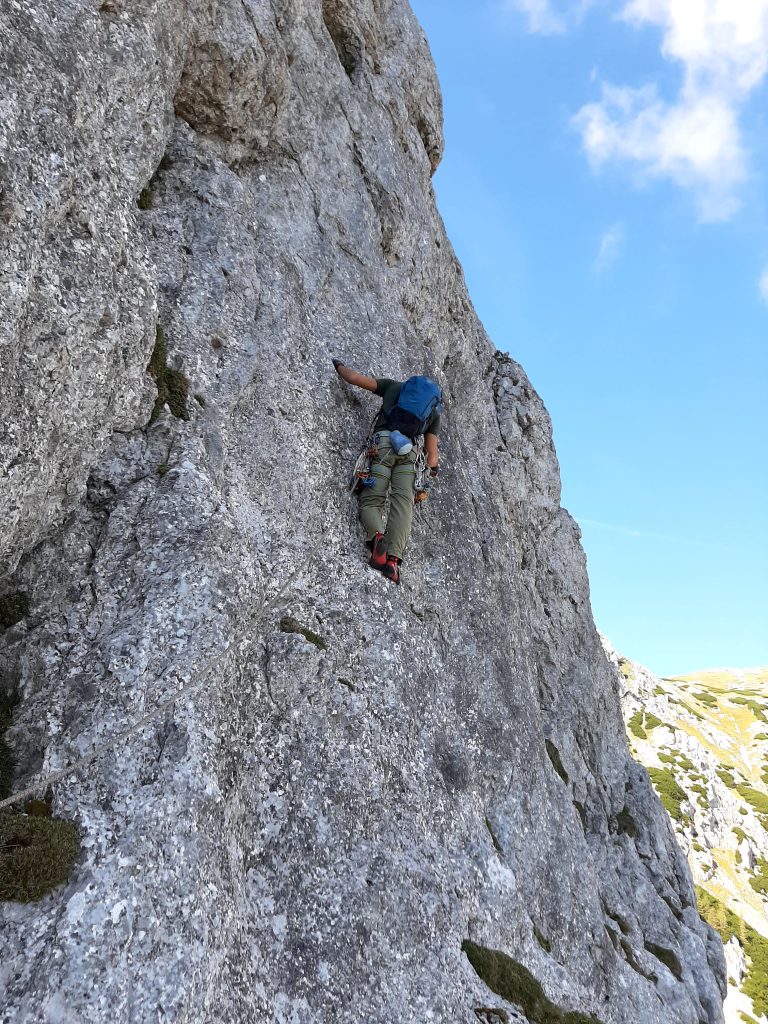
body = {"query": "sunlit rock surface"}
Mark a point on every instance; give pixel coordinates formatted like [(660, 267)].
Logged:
[(239, 192)]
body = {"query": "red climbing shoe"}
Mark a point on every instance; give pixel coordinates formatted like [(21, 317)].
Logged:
[(378, 552), (392, 568)]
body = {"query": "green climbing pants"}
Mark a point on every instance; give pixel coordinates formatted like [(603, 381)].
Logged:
[(395, 474)]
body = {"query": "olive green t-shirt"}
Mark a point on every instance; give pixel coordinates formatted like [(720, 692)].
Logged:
[(389, 392)]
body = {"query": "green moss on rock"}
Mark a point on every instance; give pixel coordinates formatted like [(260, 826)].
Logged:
[(512, 981), (172, 385), (36, 855), (542, 940), (8, 702), (557, 764), (290, 625)]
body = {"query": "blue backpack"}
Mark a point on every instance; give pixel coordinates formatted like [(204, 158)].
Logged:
[(419, 398)]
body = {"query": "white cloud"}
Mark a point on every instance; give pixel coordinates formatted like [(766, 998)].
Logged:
[(762, 285), (542, 19), (611, 243), (550, 17), (695, 140)]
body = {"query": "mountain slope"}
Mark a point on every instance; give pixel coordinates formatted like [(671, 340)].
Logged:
[(704, 739)]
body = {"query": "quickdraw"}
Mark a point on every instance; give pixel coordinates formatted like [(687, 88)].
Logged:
[(361, 474), (422, 476)]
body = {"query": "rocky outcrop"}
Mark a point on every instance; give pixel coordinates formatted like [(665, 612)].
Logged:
[(704, 739), (228, 194)]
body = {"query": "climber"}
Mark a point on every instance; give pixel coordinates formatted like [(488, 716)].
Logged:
[(409, 410)]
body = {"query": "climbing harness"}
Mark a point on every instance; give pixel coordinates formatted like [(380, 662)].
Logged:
[(363, 477)]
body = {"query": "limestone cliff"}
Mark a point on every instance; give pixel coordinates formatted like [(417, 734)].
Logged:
[(704, 739), (227, 194)]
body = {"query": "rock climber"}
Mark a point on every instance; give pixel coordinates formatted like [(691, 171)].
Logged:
[(409, 410)]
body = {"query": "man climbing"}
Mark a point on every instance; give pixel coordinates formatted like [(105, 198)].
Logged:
[(409, 409)]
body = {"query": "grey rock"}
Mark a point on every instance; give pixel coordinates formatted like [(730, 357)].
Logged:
[(310, 836)]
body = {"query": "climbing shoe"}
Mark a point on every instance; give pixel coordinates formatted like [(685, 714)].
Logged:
[(391, 568), (378, 552)]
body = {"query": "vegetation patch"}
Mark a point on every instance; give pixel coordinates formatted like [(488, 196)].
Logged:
[(13, 608), (667, 758), (36, 855), (8, 702), (290, 625), (756, 797), (670, 792), (172, 385), (636, 726), (625, 667), (652, 722), (659, 691), (760, 881), (725, 776), (515, 983), (557, 764), (727, 924), (542, 940), (706, 698)]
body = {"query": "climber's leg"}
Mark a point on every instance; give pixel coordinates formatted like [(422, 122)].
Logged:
[(401, 505), (371, 500)]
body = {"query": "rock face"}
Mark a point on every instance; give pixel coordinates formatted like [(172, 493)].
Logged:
[(239, 191), (704, 739)]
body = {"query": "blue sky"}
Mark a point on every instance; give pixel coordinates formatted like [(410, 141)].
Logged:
[(603, 187)]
